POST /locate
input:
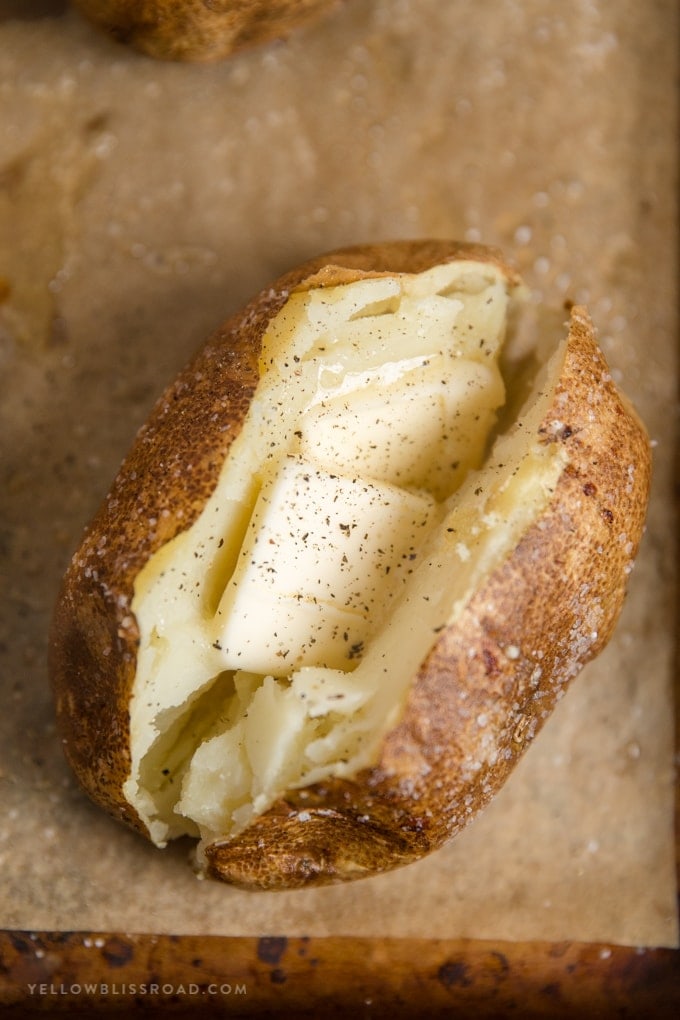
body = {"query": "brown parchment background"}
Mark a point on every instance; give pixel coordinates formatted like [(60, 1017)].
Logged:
[(142, 202)]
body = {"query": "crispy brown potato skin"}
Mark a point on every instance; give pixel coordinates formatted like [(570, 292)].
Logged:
[(541, 601), (199, 30), (94, 638), (555, 600)]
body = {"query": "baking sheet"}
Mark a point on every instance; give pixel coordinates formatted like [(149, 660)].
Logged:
[(140, 203)]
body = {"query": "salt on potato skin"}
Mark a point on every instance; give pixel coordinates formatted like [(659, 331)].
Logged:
[(543, 612)]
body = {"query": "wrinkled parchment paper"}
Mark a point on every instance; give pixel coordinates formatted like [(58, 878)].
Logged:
[(141, 202)]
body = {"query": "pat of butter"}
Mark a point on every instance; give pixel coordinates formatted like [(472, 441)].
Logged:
[(323, 559)]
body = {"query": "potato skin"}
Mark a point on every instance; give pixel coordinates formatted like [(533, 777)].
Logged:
[(199, 30), (496, 674), (93, 635)]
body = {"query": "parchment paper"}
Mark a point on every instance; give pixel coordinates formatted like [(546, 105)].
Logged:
[(141, 202)]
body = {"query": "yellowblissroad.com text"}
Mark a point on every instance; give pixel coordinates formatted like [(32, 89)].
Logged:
[(114, 989)]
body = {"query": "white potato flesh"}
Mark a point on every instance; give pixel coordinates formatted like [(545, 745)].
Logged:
[(357, 511), (413, 431)]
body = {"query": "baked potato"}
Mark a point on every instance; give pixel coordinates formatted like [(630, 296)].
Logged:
[(352, 560), (198, 30)]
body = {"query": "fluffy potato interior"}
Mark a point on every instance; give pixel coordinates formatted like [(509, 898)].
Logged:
[(361, 505)]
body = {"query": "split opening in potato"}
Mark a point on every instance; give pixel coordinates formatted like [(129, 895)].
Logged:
[(279, 634)]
